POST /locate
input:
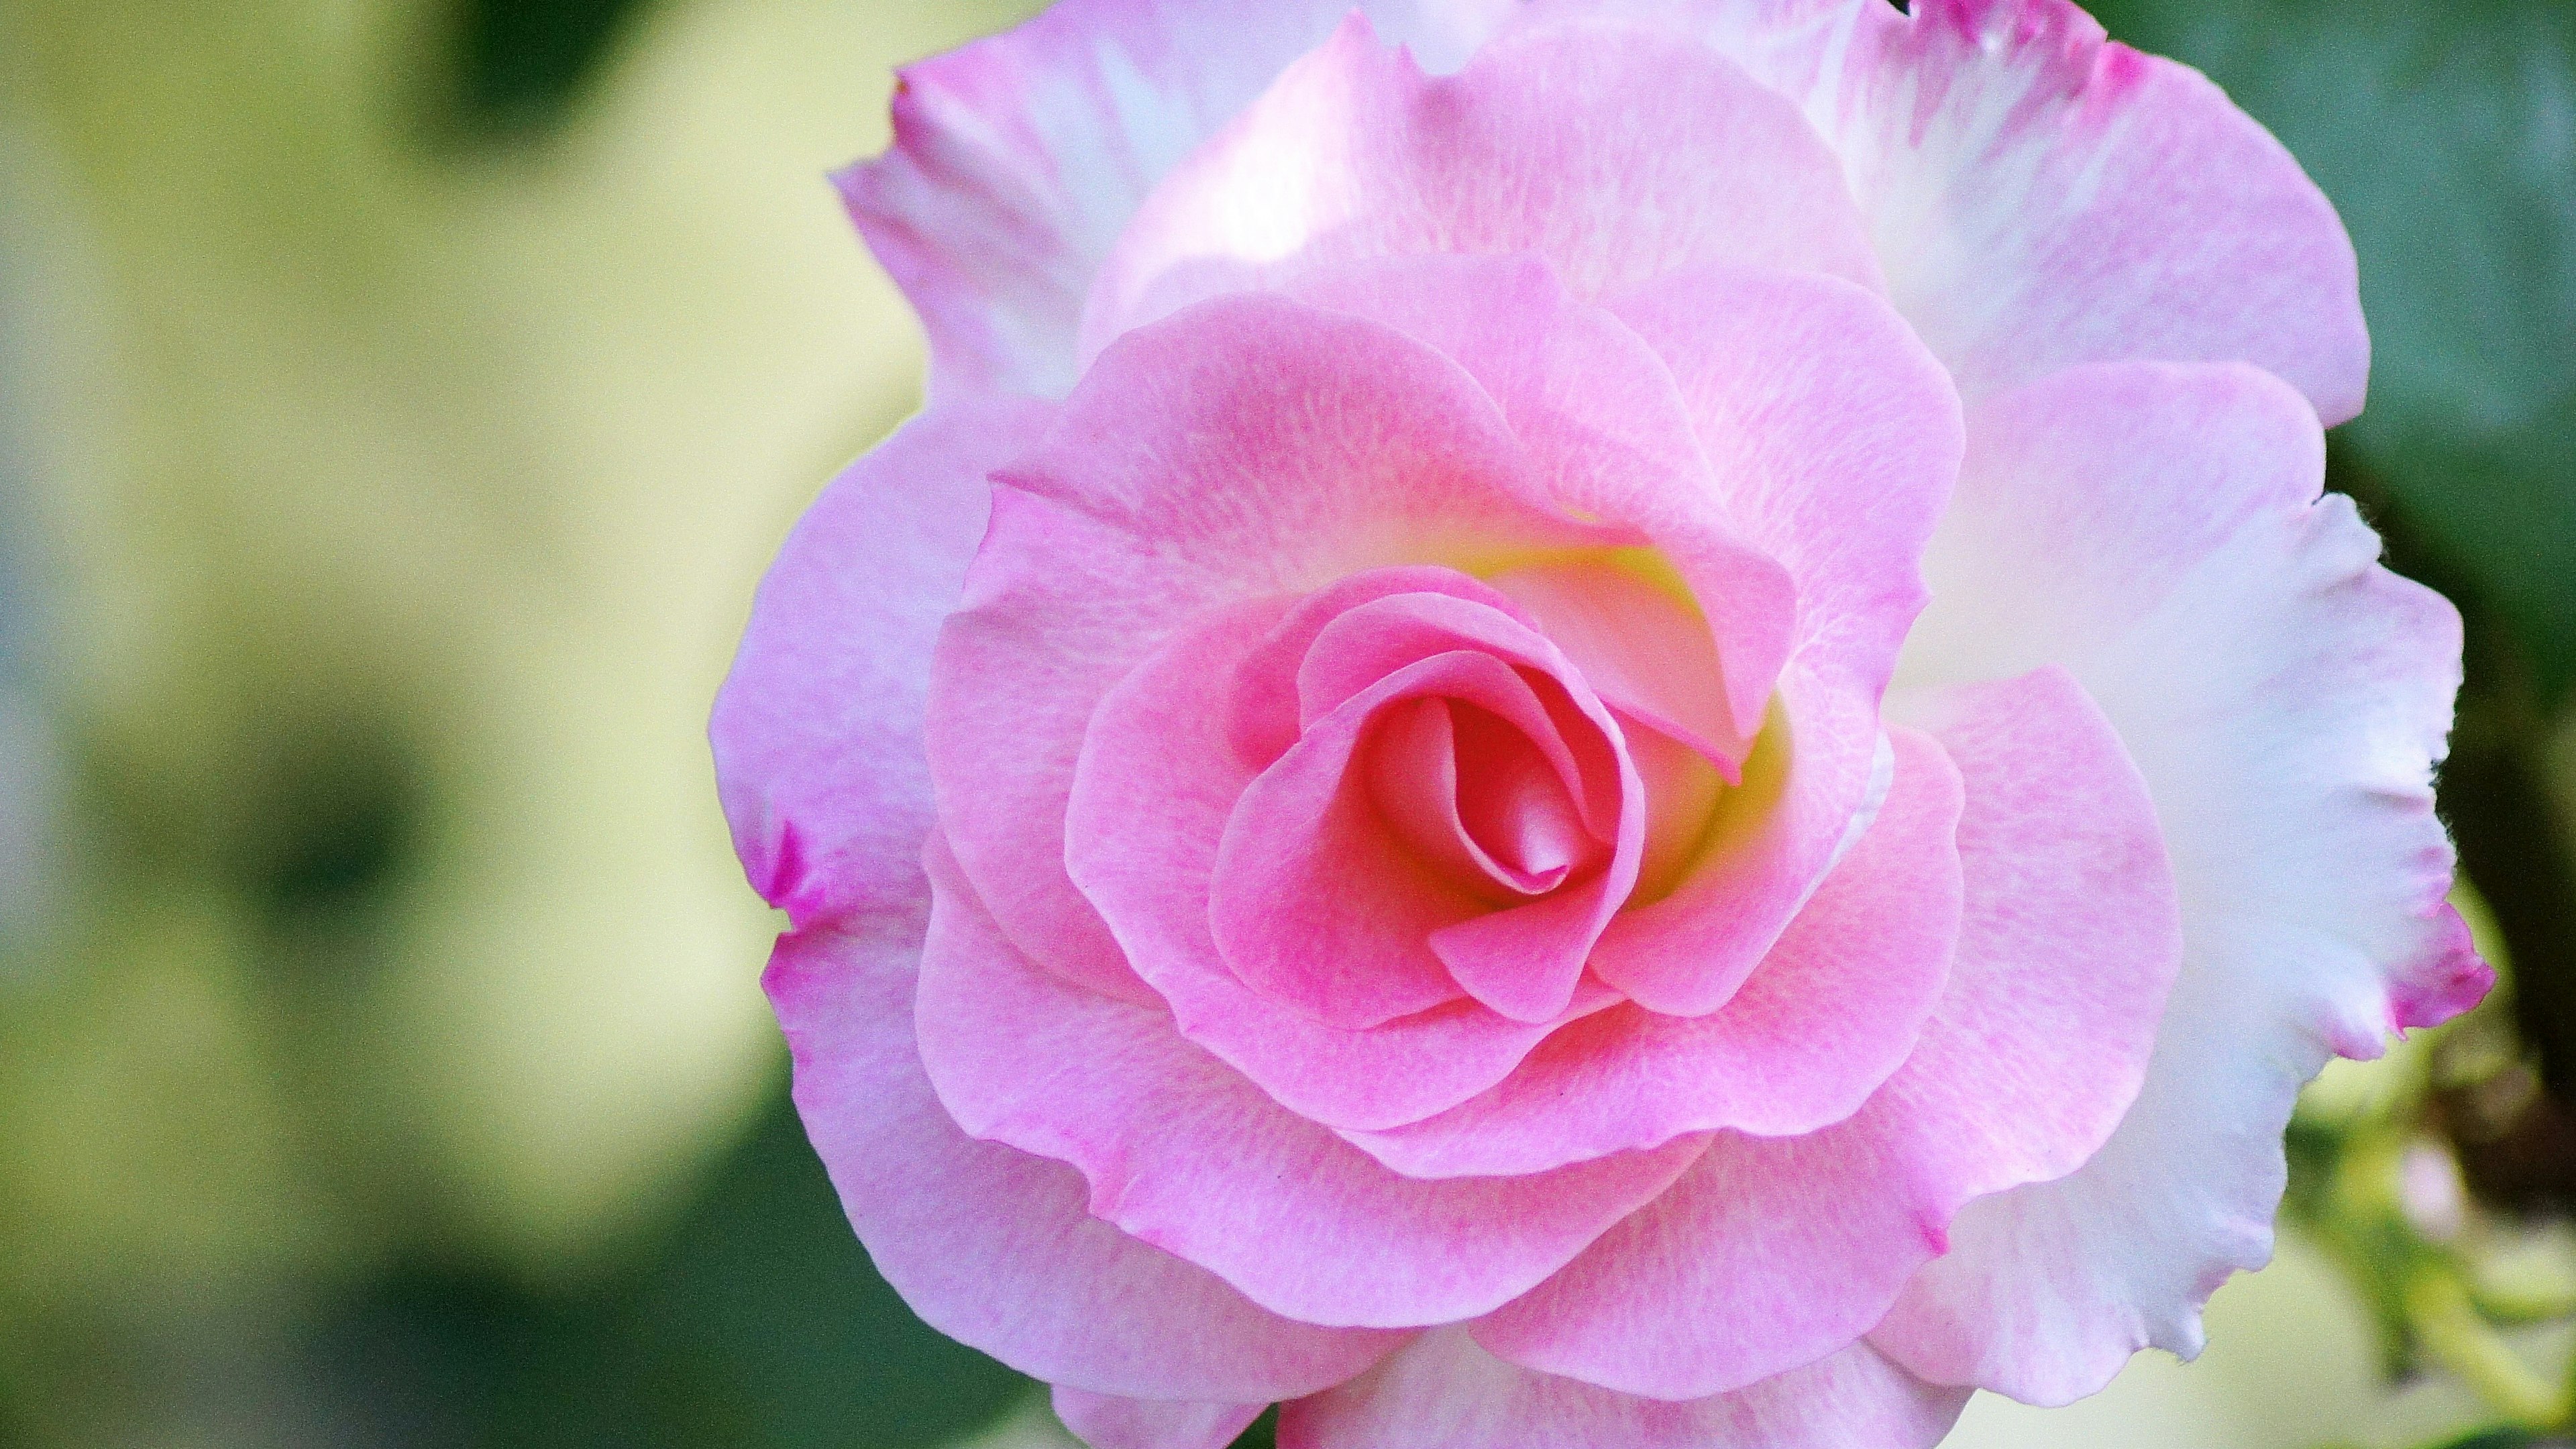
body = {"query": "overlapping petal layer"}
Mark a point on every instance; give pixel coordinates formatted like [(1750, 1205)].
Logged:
[(818, 730), (1443, 1392), (1355, 153), (2039, 197), (1417, 835), (1187, 1155), (2159, 531), (1019, 159), (948, 1219)]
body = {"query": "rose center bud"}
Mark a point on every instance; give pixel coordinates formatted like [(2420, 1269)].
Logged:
[(1479, 800)]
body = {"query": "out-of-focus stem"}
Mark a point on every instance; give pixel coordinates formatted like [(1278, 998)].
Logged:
[(2448, 1326), (2519, 1307)]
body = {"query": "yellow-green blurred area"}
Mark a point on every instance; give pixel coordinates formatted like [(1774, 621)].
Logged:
[(398, 402)]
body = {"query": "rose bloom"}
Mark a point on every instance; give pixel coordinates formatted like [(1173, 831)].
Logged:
[(1608, 723)]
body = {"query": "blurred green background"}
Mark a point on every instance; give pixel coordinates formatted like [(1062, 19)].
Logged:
[(399, 400)]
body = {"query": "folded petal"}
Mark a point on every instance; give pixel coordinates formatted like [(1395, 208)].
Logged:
[(1018, 159), (817, 731), (1156, 786), (1184, 1153), (1443, 1392), (1837, 439), (1249, 448), (1835, 1008), (2159, 532), (1314, 901), (1104, 1421), (1355, 153), (1614, 439), (2042, 197), (993, 1246), (1771, 1252)]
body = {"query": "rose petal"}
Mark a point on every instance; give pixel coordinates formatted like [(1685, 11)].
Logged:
[(1186, 1154), (991, 1245), (1018, 159), (1250, 448), (817, 732), (1839, 441), (1156, 787), (1107, 1422), (1835, 1008), (2159, 531), (1314, 902), (1771, 1252), (1354, 153), (1443, 1392), (2042, 197)]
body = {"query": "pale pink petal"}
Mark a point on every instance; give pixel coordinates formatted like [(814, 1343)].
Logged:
[(1355, 153), (1018, 159), (2041, 197), (817, 732), (1252, 447), (1443, 1392), (2159, 532), (1186, 1154), (991, 1245), (1836, 1006), (1156, 786), (1105, 1421), (2068, 946)]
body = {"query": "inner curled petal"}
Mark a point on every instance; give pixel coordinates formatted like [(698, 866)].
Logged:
[(1474, 797)]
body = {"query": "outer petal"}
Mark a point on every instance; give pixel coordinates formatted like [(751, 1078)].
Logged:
[(1356, 154), (1018, 159), (1836, 1007), (1185, 1154), (1156, 767), (2159, 531), (2041, 197), (1248, 448), (1106, 1422), (991, 1245), (1443, 1392), (817, 732)]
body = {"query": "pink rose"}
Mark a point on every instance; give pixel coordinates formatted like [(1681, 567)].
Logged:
[(1609, 723)]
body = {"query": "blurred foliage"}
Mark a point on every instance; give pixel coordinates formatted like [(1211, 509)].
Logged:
[(521, 64), (757, 1323)]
